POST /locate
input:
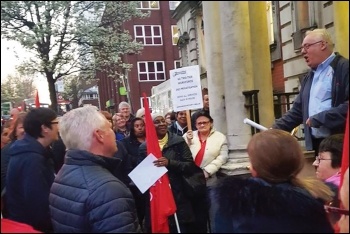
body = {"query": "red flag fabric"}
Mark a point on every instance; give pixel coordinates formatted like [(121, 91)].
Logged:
[(161, 197), (345, 157), (37, 102), (10, 226)]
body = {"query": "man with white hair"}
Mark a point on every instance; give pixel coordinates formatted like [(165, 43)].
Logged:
[(85, 196), (323, 100), (125, 110)]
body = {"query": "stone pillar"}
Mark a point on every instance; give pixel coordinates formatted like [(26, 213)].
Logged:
[(238, 77), (341, 25), (261, 60), (213, 53)]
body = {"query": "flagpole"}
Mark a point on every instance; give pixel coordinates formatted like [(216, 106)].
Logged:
[(177, 223)]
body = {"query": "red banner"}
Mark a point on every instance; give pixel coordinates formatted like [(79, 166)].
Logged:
[(161, 196)]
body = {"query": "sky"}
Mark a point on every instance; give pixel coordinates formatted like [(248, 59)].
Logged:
[(9, 63)]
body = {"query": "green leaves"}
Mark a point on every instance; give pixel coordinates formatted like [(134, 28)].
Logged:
[(70, 37)]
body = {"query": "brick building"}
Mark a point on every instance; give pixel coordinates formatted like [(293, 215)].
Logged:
[(160, 54)]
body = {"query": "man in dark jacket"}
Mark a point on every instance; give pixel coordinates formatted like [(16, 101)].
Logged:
[(85, 196), (179, 127), (30, 173), (323, 100)]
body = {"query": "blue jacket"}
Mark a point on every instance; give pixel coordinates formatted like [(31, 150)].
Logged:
[(254, 206), (29, 178), (335, 118), (86, 197)]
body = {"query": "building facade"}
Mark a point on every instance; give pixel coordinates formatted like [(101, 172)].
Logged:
[(159, 35), (252, 46)]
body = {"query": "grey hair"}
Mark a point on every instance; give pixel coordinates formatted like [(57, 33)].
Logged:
[(77, 126), (122, 104), (322, 34)]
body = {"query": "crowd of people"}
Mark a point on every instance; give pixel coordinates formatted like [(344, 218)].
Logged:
[(70, 174)]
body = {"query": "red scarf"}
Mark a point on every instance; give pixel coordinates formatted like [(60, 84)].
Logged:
[(199, 157)]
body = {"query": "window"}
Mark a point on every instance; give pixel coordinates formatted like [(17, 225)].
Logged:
[(173, 4), (175, 34), (148, 34), (177, 64), (148, 5), (90, 96), (303, 19), (149, 102), (151, 71)]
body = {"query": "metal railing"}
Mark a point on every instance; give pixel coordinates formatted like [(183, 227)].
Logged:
[(282, 103)]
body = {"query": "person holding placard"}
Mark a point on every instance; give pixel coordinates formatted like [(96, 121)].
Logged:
[(179, 127), (210, 152)]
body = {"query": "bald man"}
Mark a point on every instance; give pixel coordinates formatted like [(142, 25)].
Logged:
[(344, 197), (14, 113)]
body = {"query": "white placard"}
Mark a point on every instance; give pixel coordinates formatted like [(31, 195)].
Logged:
[(146, 173), (186, 92)]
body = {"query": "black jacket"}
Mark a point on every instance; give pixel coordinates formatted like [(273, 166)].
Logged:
[(30, 175), (174, 129), (255, 206), (180, 162)]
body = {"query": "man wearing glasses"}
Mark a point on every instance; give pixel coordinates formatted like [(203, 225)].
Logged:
[(30, 172), (323, 99)]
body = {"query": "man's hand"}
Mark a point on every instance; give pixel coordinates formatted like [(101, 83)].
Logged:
[(308, 122)]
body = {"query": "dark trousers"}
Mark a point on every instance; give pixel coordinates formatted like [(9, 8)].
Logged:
[(316, 144)]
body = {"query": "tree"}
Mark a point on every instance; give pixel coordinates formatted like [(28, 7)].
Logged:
[(73, 89), (70, 37), (17, 87)]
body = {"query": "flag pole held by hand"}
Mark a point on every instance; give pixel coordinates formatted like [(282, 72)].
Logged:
[(189, 124)]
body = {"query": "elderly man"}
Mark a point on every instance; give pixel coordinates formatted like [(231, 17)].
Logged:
[(323, 100), (125, 110), (85, 196)]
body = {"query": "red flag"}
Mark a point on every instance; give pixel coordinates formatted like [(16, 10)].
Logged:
[(37, 102), (11, 226), (345, 157), (161, 196)]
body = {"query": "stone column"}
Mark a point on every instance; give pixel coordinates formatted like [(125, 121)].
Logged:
[(341, 25), (238, 77), (261, 60), (213, 53)]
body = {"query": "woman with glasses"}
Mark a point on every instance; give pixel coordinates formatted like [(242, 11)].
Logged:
[(328, 161), (275, 199), (177, 158), (328, 166), (209, 151)]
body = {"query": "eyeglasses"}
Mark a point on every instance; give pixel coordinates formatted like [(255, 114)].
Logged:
[(307, 46), (202, 123), (318, 159), (335, 210), (54, 122)]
